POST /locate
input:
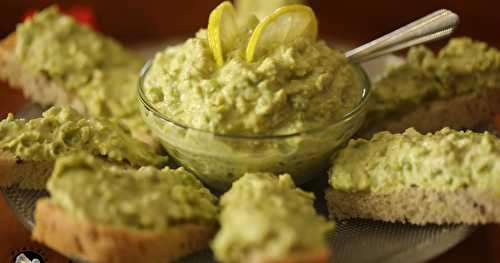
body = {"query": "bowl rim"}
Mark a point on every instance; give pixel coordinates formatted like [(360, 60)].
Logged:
[(366, 93)]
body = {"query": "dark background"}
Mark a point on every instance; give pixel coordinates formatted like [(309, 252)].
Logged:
[(347, 21), (133, 21)]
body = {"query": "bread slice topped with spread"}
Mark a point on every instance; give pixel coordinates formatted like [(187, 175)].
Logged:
[(446, 177), (104, 213), (459, 87), (56, 61), (265, 218), (28, 149)]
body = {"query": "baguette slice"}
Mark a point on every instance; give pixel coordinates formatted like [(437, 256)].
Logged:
[(448, 177), (457, 87), (290, 230), (105, 244), (417, 206), (40, 89), (27, 174), (28, 148), (36, 87), (463, 112)]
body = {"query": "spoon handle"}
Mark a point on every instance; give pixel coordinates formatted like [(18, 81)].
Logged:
[(434, 26)]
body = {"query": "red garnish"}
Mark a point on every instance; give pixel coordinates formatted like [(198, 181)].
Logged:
[(82, 14), (29, 13)]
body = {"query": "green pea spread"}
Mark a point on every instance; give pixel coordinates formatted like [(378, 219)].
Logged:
[(62, 130), (294, 87), (463, 66), (93, 67), (268, 215), (446, 160), (148, 198)]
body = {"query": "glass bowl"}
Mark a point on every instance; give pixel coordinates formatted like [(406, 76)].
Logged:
[(219, 159)]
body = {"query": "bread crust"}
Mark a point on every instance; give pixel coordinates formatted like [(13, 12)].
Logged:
[(319, 255), (466, 111), (27, 174), (417, 206), (7, 164), (105, 244)]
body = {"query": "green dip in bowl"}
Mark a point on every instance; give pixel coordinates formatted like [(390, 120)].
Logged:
[(285, 112)]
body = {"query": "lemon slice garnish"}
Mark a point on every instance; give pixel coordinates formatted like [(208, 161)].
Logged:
[(222, 30), (284, 25)]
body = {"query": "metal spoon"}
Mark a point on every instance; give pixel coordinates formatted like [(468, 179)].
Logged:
[(435, 26)]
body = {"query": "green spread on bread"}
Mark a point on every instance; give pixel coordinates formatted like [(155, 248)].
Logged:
[(95, 68), (148, 198), (267, 215), (463, 66), (62, 130), (446, 160)]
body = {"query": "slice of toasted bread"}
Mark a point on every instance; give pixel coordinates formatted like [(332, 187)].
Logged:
[(97, 243), (28, 149), (28, 174), (466, 111), (40, 89), (281, 240), (319, 255), (35, 87), (418, 206)]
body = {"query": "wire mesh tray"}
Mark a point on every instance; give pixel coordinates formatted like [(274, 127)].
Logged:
[(354, 241)]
